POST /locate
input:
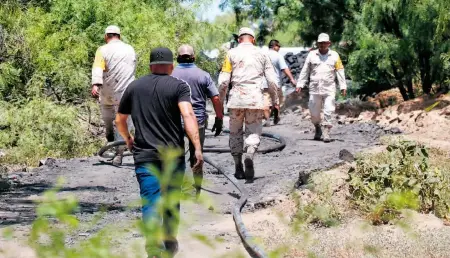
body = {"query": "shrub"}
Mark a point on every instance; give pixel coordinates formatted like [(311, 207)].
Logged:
[(401, 178), (42, 129)]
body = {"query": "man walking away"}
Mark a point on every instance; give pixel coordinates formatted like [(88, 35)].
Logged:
[(156, 103), (246, 66), (112, 72), (279, 65), (202, 87), (322, 66)]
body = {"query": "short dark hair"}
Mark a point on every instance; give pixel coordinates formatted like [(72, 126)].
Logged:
[(112, 35), (273, 43), (185, 59)]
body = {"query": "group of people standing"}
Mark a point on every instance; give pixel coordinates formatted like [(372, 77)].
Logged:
[(170, 102)]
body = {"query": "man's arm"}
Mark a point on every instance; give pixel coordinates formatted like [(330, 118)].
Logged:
[(213, 94), (218, 107), (304, 75), (285, 68), (288, 73), (122, 115), (98, 68), (191, 128), (272, 82), (340, 73), (225, 78)]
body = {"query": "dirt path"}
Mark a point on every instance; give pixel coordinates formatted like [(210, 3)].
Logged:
[(98, 186)]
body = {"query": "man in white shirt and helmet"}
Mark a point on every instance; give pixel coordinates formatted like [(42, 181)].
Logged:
[(322, 67), (113, 70)]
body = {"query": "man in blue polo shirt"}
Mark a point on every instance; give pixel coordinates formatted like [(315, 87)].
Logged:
[(202, 87)]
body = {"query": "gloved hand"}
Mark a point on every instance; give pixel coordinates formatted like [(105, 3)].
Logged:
[(218, 124)]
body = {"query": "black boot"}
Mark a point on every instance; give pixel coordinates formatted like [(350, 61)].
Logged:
[(239, 168)]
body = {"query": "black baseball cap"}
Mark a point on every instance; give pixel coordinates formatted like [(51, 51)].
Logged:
[(161, 55)]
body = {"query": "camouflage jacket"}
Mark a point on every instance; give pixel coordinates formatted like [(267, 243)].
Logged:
[(322, 72), (246, 67), (114, 67)]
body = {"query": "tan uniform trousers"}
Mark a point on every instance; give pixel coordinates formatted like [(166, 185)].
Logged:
[(253, 129), (268, 100)]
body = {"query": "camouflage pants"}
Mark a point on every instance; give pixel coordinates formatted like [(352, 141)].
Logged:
[(253, 129)]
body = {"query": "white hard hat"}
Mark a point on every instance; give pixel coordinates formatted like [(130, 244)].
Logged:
[(246, 31), (112, 29), (323, 37)]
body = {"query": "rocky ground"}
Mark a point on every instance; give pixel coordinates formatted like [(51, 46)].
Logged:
[(99, 186)]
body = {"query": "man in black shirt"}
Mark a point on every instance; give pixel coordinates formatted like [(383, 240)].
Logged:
[(156, 103)]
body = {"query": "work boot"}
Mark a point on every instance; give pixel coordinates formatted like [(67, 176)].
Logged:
[(318, 133), (326, 134), (248, 162), (276, 116), (117, 160), (239, 168)]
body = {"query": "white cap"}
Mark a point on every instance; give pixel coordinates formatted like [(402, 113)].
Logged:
[(323, 37), (246, 31), (112, 29)]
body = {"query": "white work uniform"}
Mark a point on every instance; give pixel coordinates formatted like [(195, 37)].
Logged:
[(113, 69), (322, 72)]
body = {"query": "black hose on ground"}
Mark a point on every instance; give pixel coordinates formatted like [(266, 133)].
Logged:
[(247, 239)]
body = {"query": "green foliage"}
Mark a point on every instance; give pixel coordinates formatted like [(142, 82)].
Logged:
[(401, 178), (57, 220), (40, 129), (321, 209), (46, 53), (386, 43), (48, 48)]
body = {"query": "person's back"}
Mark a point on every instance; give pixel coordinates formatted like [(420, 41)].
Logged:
[(156, 115), (202, 87), (246, 67), (156, 103), (120, 65), (278, 63), (249, 65), (112, 72)]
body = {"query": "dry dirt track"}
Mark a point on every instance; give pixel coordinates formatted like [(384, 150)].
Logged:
[(97, 185)]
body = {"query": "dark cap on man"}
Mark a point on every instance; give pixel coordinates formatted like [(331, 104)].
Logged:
[(161, 55)]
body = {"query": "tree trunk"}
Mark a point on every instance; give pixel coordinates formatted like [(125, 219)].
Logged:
[(425, 71), (403, 91), (409, 85), (400, 85)]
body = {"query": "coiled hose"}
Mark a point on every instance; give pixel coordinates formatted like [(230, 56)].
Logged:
[(253, 249)]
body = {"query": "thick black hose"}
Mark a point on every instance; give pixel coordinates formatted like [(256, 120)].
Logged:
[(248, 240)]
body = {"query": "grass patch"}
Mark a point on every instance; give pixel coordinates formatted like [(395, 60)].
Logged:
[(41, 129), (406, 176), (318, 207)]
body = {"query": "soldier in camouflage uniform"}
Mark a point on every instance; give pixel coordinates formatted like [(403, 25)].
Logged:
[(245, 67)]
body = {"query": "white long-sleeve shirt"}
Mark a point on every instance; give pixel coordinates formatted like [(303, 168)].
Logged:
[(246, 67), (114, 67), (322, 72)]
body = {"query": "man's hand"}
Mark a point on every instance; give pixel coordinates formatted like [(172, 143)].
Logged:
[(298, 90), (344, 92), (130, 142), (218, 126), (199, 164), (294, 82), (95, 91), (277, 107)]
